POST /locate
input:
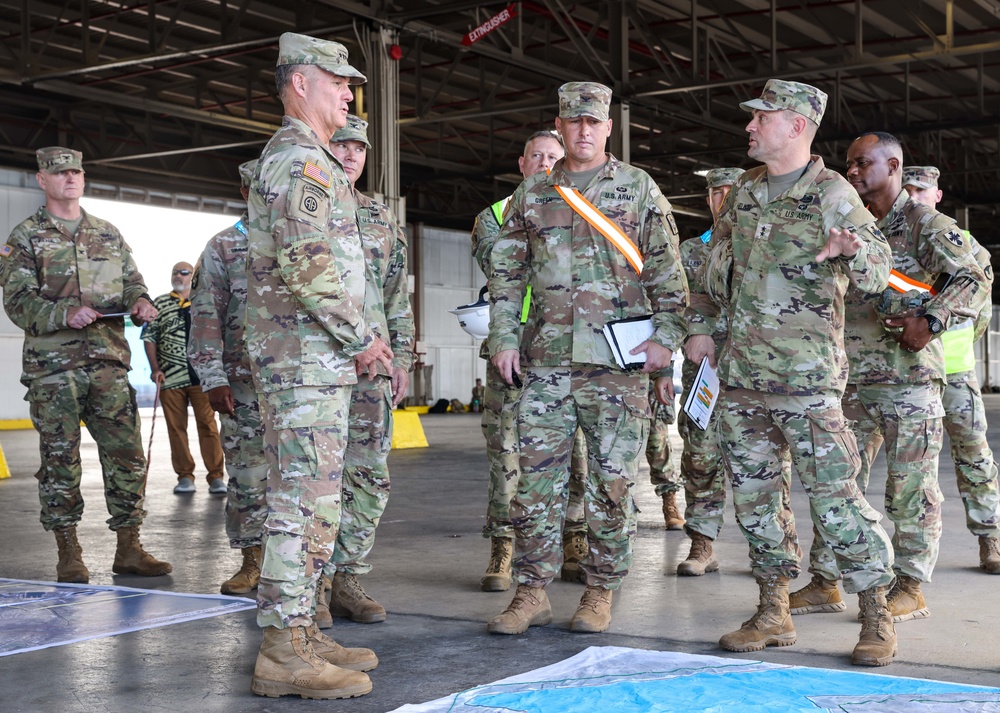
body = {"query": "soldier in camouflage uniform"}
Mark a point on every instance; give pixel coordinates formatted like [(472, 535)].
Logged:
[(541, 151), (896, 379), (308, 342), (663, 473), (580, 280), (964, 413), (61, 270), (791, 239), (217, 354), (387, 310), (701, 461)]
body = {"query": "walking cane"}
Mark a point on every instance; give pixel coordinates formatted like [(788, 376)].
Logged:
[(149, 451)]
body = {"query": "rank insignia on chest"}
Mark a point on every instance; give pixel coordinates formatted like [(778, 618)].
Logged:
[(5, 250), (317, 174)]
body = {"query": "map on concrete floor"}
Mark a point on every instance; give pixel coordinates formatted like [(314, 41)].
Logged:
[(37, 615), (611, 678)]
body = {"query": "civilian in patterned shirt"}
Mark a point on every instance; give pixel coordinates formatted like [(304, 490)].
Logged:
[(166, 348)]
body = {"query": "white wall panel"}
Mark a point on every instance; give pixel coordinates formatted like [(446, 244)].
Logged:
[(18, 200), (450, 277)]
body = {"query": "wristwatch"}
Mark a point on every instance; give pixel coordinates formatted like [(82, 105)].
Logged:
[(934, 324)]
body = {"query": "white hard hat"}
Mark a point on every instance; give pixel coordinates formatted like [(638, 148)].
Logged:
[(474, 318)]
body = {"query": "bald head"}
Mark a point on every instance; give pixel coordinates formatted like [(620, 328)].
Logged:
[(180, 278), (875, 166)]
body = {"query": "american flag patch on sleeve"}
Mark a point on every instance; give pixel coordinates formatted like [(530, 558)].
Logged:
[(317, 174), (6, 250)]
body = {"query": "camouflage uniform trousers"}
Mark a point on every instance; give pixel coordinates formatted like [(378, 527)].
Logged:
[(910, 419), (702, 472), (99, 394), (758, 431), (246, 464), (365, 488), (976, 471), (663, 473), (305, 434), (610, 407), (500, 429)]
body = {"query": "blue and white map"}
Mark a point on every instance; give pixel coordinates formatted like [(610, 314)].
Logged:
[(37, 615), (622, 680)]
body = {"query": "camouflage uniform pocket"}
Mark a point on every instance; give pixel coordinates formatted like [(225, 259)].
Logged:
[(832, 438)]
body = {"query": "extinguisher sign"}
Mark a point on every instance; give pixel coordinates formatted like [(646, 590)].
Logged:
[(498, 20)]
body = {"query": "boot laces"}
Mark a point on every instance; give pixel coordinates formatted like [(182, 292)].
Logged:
[(700, 547), (249, 561), (523, 597), (767, 597), (873, 616), (305, 648), (499, 555), (353, 587), (594, 597)]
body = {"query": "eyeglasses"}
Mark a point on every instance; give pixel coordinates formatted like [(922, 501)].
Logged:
[(182, 272)]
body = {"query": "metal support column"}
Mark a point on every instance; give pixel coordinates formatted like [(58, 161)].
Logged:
[(382, 96)]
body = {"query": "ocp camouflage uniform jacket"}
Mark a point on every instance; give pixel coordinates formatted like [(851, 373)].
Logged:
[(925, 244), (785, 310), (484, 237), (579, 280), (306, 266), (694, 255), (46, 271), (387, 300), (218, 309)]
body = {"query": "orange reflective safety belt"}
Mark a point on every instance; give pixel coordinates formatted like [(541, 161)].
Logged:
[(603, 225), (901, 283)]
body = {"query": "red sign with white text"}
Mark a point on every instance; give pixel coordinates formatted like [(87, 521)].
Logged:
[(498, 20)]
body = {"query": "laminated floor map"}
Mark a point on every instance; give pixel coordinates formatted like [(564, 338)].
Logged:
[(623, 680), (37, 615)]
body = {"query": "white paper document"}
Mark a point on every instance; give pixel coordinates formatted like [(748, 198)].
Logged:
[(703, 395), (624, 335)]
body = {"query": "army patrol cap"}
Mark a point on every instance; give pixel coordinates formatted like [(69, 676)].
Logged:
[(803, 99), (584, 99), (921, 176), (329, 55), (722, 176), (355, 130), (56, 159), (246, 173)]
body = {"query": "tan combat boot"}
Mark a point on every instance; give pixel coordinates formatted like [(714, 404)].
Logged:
[(248, 576), (820, 595), (130, 558), (497, 577), (327, 648), (529, 607), (323, 617), (594, 613), (989, 554), (877, 644), (347, 598), (671, 515), (700, 559), (771, 625), (906, 601), (575, 550), (70, 568), (287, 665)]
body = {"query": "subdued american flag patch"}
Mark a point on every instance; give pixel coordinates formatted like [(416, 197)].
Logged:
[(317, 174)]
